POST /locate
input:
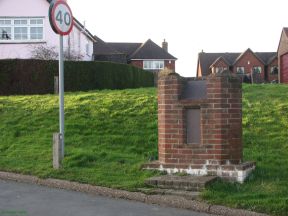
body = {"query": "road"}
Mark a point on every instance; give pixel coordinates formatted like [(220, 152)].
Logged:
[(19, 199)]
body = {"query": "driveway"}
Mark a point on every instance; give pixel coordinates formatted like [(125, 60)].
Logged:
[(19, 199)]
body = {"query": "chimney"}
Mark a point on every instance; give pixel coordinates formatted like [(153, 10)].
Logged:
[(165, 45)]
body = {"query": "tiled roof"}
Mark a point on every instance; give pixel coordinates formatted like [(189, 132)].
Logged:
[(266, 57), (127, 48), (218, 59), (150, 50), (207, 59), (147, 50), (103, 48)]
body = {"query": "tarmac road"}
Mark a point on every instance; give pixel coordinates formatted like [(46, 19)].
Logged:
[(19, 199)]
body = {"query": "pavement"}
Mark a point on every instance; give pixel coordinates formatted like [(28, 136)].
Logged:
[(22, 199)]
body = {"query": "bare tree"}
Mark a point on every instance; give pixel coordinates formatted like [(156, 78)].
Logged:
[(45, 52)]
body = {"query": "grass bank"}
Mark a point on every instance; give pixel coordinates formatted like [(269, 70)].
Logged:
[(265, 133), (109, 134)]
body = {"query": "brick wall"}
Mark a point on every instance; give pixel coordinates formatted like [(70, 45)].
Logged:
[(284, 68), (170, 119), (221, 63), (170, 64), (221, 122), (282, 50), (217, 148), (248, 61), (137, 63), (271, 77)]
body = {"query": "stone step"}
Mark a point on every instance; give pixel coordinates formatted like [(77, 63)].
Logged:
[(186, 183), (189, 195)]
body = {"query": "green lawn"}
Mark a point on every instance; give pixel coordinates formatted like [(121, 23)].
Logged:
[(109, 134)]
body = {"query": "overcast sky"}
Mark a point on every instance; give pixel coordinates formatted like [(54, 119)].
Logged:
[(189, 26)]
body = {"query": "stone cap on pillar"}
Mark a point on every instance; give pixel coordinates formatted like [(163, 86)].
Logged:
[(167, 72)]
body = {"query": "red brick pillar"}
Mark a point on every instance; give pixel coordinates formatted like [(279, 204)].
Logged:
[(170, 117), (224, 118)]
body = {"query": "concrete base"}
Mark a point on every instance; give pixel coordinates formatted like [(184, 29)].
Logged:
[(230, 172)]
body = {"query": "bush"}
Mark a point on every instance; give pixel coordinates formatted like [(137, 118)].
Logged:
[(37, 76)]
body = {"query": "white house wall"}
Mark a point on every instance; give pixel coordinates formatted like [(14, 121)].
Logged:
[(38, 8)]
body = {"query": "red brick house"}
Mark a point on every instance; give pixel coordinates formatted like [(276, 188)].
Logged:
[(283, 56), (148, 55), (264, 64)]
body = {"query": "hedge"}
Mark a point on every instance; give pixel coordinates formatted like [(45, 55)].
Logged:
[(24, 77)]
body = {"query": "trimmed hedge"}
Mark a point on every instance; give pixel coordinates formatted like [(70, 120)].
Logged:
[(37, 76)]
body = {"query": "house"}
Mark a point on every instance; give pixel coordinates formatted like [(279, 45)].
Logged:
[(283, 56), (264, 64), (148, 55), (25, 27)]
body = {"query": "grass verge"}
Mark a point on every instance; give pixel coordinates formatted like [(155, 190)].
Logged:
[(265, 133), (109, 134)]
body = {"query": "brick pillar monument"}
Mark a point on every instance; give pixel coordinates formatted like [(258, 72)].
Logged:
[(200, 126), (170, 118)]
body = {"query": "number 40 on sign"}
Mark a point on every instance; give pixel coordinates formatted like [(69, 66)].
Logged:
[(61, 18)]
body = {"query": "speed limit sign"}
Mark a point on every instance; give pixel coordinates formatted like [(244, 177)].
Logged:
[(61, 21), (61, 18)]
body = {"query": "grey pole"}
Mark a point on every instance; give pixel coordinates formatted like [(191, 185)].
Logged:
[(61, 94)]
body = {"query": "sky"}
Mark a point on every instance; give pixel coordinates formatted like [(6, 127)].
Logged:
[(189, 26)]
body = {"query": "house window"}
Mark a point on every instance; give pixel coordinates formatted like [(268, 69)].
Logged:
[(274, 70), (20, 33), (21, 29), (220, 69), (240, 70), (256, 69), (5, 33), (36, 33), (153, 65)]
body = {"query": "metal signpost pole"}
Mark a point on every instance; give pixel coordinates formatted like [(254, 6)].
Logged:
[(61, 21), (61, 95)]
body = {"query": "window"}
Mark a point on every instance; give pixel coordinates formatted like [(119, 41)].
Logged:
[(5, 33), (21, 29), (256, 69), (274, 70), (20, 33), (153, 65), (220, 69), (240, 70), (36, 33)]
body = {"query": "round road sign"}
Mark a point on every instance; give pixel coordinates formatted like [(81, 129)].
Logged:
[(61, 18)]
